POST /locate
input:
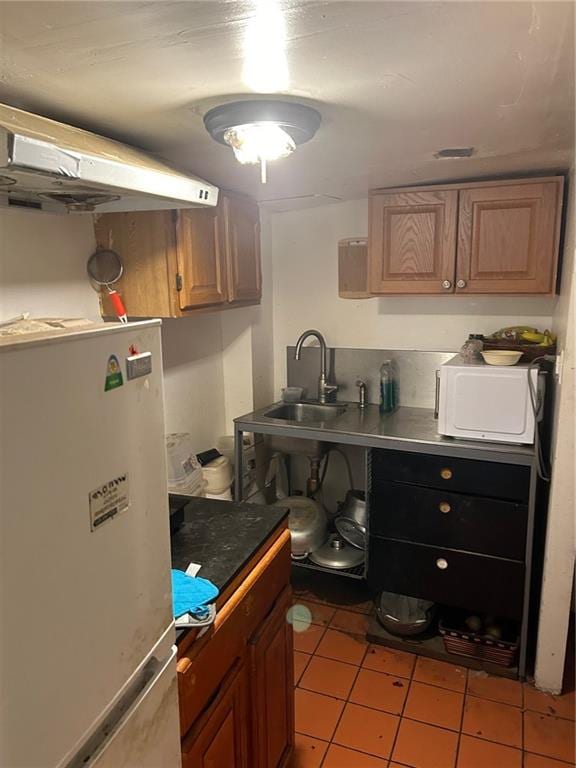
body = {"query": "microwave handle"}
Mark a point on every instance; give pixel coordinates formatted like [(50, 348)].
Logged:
[(437, 395)]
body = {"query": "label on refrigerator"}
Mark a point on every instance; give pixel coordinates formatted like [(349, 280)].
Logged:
[(109, 500)]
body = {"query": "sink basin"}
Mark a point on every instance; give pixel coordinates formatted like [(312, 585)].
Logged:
[(304, 412)]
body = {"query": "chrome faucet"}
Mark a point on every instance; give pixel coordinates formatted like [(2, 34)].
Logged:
[(324, 389)]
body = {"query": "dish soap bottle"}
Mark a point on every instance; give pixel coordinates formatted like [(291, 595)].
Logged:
[(388, 387)]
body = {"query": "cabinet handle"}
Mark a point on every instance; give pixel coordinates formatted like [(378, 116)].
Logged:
[(447, 284), (442, 563), (461, 284), (444, 507), (445, 473)]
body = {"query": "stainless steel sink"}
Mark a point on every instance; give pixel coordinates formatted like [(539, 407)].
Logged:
[(306, 412)]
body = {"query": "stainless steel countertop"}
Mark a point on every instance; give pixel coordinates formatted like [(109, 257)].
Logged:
[(407, 429)]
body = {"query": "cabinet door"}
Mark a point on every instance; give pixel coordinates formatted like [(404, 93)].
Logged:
[(220, 738), (272, 688), (412, 242), (508, 238), (200, 251), (243, 248), (146, 244)]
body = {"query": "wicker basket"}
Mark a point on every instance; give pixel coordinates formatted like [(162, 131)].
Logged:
[(463, 642)]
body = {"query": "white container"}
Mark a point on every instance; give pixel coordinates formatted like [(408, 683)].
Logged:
[(184, 470), (225, 496), (485, 402), (218, 476)]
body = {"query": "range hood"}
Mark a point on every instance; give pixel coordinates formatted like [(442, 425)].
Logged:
[(46, 165)]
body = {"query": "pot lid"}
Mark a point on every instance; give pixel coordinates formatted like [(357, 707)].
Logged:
[(336, 553)]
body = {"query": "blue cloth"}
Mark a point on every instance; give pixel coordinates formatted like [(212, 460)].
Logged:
[(191, 594)]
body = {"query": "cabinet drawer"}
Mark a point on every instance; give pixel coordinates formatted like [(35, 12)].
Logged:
[(475, 582), (452, 520), (481, 478)]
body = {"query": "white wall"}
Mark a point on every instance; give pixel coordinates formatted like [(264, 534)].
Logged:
[(304, 246), (560, 542), (43, 265), (207, 358)]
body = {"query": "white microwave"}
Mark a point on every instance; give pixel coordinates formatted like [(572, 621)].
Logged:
[(485, 402)]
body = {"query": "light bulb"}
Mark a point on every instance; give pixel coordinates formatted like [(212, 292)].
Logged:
[(259, 141)]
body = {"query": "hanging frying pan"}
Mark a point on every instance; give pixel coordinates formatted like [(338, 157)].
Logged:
[(105, 268)]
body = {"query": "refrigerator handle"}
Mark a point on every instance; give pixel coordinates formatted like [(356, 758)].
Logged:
[(122, 711), (437, 395)]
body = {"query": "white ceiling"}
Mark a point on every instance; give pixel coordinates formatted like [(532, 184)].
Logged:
[(394, 82)]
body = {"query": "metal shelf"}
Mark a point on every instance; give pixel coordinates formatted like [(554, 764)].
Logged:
[(357, 572)]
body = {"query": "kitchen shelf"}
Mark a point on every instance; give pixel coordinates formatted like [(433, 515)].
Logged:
[(357, 572), (432, 646)]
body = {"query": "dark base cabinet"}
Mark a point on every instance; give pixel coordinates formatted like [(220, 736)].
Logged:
[(446, 576), (454, 531)]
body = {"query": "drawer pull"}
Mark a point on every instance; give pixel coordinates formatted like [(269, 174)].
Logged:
[(442, 563), (444, 507), (445, 473)]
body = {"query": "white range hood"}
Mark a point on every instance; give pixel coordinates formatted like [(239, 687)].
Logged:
[(46, 165)]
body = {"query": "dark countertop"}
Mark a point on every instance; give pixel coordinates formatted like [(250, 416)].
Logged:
[(221, 536), (406, 429)]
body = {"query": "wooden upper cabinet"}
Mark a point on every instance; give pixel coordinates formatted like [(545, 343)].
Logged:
[(474, 237), (272, 683), (508, 238), (201, 258), (412, 241), (178, 262), (243, 248)]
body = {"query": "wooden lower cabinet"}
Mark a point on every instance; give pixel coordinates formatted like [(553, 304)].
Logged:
[(220, 739), (272, 689), (236, 685)]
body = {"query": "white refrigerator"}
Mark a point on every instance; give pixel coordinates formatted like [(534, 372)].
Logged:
[(87, 656)]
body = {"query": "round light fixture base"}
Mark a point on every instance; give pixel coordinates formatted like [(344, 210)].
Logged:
[(298, 120)]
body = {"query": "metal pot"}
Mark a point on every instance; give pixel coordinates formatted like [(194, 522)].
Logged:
[(403, 615), (307, 523), (351, 520)]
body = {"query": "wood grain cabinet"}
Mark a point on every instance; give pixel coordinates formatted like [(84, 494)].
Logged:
[(483, 237), (178, 262), (272, 679), (236, 684), (220, 738), (413, 241)]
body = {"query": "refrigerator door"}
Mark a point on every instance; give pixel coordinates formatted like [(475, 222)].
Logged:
[(85, 593), (142, 731)]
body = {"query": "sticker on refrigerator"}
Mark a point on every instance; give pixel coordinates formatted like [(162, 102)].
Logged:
[(114, 377), (109, 500)]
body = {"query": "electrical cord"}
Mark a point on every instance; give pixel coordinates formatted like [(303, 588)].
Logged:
[(541, 468)]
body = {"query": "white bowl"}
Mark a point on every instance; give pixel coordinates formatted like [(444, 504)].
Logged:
[(501, 356)]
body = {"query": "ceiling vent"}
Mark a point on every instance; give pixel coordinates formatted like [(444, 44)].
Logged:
[(452, 152)]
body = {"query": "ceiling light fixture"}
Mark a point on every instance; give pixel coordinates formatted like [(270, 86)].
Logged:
[(261, 131)]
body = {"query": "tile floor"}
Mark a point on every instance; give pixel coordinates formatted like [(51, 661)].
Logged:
[(366, 706)]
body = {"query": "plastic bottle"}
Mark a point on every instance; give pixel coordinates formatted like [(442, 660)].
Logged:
[(388, 387)]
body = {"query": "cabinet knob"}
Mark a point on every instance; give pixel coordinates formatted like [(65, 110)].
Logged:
[(447, 284), (445, 473), (442, 563), (444, 507), (461, 284)]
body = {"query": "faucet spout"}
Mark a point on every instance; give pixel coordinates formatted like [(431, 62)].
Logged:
[(324, 389)]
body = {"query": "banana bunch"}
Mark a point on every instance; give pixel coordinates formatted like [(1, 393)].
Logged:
[(525, 333)]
